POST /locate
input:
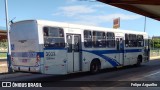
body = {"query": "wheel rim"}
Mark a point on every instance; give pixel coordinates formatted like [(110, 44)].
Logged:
[(94, 68)]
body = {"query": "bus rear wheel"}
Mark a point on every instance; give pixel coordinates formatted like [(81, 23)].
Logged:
[(139, 61), (95, 67)]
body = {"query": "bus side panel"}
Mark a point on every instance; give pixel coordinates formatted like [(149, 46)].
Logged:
[(89, 55), (55, 62), (132, 56)]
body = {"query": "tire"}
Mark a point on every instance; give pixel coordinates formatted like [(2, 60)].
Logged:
[(139, 61), (95, 67)]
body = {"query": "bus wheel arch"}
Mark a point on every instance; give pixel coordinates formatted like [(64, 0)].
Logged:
[(95, 66)]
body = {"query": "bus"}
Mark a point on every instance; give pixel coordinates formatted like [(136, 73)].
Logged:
[(50, 47)]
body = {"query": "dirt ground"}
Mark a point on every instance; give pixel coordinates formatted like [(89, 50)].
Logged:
[(3, 66)]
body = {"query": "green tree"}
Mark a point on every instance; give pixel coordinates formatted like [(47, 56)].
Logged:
[(155, 43)]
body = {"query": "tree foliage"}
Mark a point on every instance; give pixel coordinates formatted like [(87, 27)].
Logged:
[(3, 44), (155, 43)]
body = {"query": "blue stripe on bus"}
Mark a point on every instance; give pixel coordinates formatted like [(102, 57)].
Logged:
[(105, 51), (113, 51), (113, 62), (41, 54), (25, 54), (100, 53), (133, 50)]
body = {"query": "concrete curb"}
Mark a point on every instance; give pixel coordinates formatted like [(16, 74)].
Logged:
[(3, 58), (156, 57)]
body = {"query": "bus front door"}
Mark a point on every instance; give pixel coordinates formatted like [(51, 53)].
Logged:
[(74, 53), (120, 49)]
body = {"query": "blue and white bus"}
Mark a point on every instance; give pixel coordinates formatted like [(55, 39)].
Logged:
[(49, 47)]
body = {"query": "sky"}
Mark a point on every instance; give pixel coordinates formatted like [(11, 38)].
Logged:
[(77, 11)]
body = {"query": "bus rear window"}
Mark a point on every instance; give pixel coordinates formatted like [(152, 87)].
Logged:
[(53, 37)]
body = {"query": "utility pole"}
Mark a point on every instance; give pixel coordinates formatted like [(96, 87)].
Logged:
[(8, 37), (153, 41), (145, 24)]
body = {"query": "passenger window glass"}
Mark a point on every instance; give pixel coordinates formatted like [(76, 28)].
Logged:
[(76, 44), (134, 40), (99, 39), (130, 40), (69, 42), (126, 40), (53, 37), (45, 31), (87, 38), (110, 40), (140, 41)]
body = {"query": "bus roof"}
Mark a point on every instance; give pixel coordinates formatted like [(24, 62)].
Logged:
[(78, 26)]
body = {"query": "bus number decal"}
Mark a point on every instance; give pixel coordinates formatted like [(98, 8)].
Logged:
[(50, 53)]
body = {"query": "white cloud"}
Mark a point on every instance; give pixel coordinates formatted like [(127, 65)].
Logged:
[(110, 17), (86, 22), (79, 9), (91, 15), (74, 10), (97, 20)]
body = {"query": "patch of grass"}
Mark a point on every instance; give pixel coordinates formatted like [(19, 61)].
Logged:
[(3, 54)]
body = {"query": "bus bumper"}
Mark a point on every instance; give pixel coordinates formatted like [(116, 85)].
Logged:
[(26, 68)]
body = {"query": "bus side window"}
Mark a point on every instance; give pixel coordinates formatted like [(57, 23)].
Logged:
[(61, 33), (140, 41), (132, 40), (87, 38), (126, 40), (69, 43), (121, 44), (99, 39), (53, 37), (76, 44), (45, 31), (117, 42), (110, 40)]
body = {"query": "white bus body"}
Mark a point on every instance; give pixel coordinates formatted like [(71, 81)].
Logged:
[(62, 48)]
